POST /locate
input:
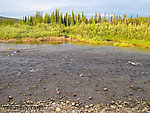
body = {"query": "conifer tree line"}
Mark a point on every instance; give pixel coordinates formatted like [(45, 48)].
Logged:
[(57, 18)]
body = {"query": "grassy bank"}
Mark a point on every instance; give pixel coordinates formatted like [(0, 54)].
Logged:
[(100, 33)]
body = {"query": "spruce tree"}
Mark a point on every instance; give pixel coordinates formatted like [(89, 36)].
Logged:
[(114, 19), (46, 18), (31, 20), (60, 19), (69, 20), (79, 18), (72, 19), (131, 21), (117, 19), (25, 19), (53, 18), (41, 17), (99, 18), (95, 17), (65, 20), (83, 17), (111, 19)]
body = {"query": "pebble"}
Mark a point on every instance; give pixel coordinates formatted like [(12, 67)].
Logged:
[(86, 106), (67, 102), (112, 102), (90, 98), (91, 105), (142, 106), (10, 49), (58, 91), (74, 95), (113, 107), (10, 97), (58, 109), (105, 89), (81, 75), (77, 105), (73, 104)]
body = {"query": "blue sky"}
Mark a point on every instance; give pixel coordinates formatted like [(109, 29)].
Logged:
[(19, 8)]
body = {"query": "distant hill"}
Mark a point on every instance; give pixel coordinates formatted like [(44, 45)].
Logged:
[(5, 18)]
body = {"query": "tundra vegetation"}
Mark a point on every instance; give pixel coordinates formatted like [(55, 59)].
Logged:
[(116, 30)]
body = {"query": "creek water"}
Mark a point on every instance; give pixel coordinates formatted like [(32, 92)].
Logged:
[(67, 46)]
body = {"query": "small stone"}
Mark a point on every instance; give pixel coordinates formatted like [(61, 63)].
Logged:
[(91, 105), (90, 98), (74, 95), (105, 89), (113, 107), (58, 91), (12, 102), (86, 106), (10, 97), (58, 109), (112, 102), (130, 99), (67, 102), (148, 103), (81, 75), (52, 99), (97, 89), (130, 93), (73, 104), (77, 105), (15, 51), (10, 49), (131, 86)]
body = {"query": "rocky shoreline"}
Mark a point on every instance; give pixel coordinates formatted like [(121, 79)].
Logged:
[(52, 106)]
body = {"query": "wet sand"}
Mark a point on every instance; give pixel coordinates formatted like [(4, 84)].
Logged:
[(69, 72)]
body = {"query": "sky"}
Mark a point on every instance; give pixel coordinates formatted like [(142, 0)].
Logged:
[(20, 8)]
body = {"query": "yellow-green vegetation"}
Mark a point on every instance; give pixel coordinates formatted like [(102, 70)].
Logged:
[(113, 30)]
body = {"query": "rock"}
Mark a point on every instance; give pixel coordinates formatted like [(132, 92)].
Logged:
[(134, 63), (77, 105), (74, 95), (58, 91), (10, 49), (91, 105), (131, 86), (131, 94), (113, 107), (73, 104), (10, 97), (86, 106), (1, 88), (97, 89), (12, 103), (130, 99), (81, 75), (148, 103), (67, 102), (112, 102), (105, 89), (90, 98), (58, 109)]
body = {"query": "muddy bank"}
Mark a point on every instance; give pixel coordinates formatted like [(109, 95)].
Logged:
[(70, 72)]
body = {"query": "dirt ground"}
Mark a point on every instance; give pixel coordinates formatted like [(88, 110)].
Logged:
[(93, 74)]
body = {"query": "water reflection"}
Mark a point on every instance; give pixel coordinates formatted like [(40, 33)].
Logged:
[(67, 45)]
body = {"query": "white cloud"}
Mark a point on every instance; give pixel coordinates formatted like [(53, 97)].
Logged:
[(24, 7)]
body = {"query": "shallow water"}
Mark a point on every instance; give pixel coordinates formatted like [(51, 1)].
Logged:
[(80, 69), (67, 46)]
